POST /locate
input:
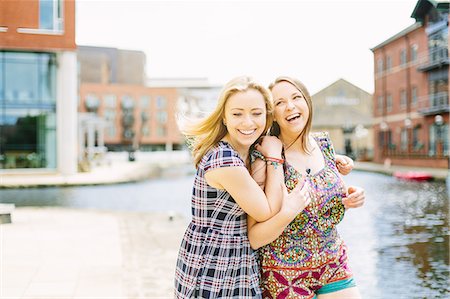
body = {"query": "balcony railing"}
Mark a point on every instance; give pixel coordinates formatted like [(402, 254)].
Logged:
[(437, 56), (436, 103)]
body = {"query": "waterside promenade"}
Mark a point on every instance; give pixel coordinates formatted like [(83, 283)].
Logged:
[(67, 253), (114, 169), (121, 171)]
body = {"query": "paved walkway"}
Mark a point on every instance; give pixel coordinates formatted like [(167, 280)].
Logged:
[(66, 253)]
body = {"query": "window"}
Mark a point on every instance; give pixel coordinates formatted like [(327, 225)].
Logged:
[(161, 131), (388, 63), (414, 49), (37, 73), (403, 99), (161, 102), (403, 57), (404, 139), (162, 117), (92, 102), (127, 102), (145, 131), (415, 139), (28, 110), (110, 117), (110, 100), (380, 104), (51, 15), (414, 96), (380, 65), (389, 103), (145, 102)]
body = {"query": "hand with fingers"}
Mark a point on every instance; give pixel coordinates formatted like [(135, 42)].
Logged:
[(344, 164), (270, 146), (295, 201), (355, 197)]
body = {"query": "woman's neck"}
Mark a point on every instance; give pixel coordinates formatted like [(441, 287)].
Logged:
[(291, 142), (242, 150)]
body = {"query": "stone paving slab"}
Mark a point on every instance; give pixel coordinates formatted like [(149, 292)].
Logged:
[(67, 253)]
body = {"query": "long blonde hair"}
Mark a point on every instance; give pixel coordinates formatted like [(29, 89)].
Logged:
[(206, 133), (275, 129)]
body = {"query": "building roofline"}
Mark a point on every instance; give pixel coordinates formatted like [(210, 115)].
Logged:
[(404, 32), (341, 79), (422, 7), (181, 82)]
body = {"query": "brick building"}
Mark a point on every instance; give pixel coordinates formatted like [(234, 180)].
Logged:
[(410, 102)]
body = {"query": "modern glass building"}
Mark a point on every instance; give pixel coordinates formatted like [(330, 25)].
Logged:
[(38, 86), (28, 110)]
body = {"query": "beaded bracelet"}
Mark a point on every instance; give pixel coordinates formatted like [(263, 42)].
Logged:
[(274, 161)]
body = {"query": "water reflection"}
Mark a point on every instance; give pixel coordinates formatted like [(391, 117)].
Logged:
[(398, 242), (412, 239)]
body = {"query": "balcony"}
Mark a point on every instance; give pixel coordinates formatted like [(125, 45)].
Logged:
[(438, 103), (437, 57)]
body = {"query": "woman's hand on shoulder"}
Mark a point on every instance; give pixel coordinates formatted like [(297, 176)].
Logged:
[(355, 197), (270, 146), (344, 164)]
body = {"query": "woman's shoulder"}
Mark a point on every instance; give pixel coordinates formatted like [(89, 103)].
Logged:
[(221, 155), (321, 135)]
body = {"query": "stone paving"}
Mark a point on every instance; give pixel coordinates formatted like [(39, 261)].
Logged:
[(68, 253)]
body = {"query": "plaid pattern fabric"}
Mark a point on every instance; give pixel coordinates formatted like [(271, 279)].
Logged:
[(215, 258)]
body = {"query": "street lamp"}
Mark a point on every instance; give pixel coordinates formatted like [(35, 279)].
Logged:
[(384, 129), (438, 121)]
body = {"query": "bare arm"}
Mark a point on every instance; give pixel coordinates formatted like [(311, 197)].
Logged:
[(258, 172), (263, 233), (244, 190)]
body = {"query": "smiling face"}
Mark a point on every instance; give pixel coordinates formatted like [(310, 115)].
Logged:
[(291, 110), (245, 118)]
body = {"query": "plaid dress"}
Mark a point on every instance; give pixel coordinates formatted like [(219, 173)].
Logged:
[(215, 258)]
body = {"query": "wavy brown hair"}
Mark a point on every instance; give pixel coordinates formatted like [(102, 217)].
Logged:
[(275, 129)]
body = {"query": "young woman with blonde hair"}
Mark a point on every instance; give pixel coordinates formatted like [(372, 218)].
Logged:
[(215, 259)]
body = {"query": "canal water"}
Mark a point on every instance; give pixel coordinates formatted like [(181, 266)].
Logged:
[(398, 241)]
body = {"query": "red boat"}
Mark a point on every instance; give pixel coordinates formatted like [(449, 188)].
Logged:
[(413, 175)]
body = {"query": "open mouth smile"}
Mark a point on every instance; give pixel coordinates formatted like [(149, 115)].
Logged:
[(293, 117)]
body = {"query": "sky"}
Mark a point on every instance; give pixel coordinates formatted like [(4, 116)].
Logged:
[(316, 41)]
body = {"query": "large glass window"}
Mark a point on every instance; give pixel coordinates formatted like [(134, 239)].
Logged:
[(27, 110), (50, 14)]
